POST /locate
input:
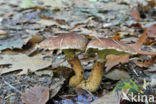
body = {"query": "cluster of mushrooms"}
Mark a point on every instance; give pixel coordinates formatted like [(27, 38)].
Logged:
[(71, 43)]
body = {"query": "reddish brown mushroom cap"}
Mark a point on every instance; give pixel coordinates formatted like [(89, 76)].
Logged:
[(65, 41), (104, 43)]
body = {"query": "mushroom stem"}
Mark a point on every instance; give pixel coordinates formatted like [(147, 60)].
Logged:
[(94, 80), (78, 69), (75, 63)]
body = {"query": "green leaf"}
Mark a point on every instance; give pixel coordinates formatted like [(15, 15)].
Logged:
[(127, 84)]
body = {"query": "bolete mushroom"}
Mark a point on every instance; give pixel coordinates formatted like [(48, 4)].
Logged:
[(101, 48), (69, 43)]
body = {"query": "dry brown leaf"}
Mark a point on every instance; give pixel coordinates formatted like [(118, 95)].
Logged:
[(110, 98), (117, 74), (146, 63), (135, 14), (140, 42), (33, 39), (149, 42), (18, 43), (151, 3), (36, 95), (146, 53), (152, 31), (113, 60), (23, 62), (116, 37)]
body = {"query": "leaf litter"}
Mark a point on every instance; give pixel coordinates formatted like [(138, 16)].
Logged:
[(24, 63), (36, 95), (34, 22)]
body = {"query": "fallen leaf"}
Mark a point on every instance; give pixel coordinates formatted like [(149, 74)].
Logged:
[(152, 68), (11, 43), (113, 60), (81, 97), (129, 40), (2, 101), (92, 33), (93, 1), (109, 98), (56, 86), (135, 25), (145, 63), (44, 22), (151, 3), (17, 42), (135, 14), (127, 84), (140, 42), (153, 80), (146, 53), (116, 37), (149, 42), (44, 72), (33, 39), (23, 62), (54, 3), (27, 4), (152, 31), (2, 32), (117, 74), (36, 95)]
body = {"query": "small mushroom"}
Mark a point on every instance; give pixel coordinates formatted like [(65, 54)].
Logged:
[(101, 48), (69, 43)]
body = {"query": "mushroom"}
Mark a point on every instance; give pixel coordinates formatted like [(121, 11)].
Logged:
[(101, 48), (69, 43)]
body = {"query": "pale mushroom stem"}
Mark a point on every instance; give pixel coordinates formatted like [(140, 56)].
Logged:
[(75, 63), (95, 78)]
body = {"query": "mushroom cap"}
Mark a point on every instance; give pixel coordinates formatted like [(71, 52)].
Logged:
[(65, 41), (151, 32), (109, 46)]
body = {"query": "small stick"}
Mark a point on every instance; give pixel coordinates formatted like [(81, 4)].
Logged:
[(11, 86)]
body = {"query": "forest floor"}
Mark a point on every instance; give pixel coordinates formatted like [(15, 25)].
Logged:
[(32, 76)]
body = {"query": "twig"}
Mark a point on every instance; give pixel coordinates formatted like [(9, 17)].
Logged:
[(11, 86)]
